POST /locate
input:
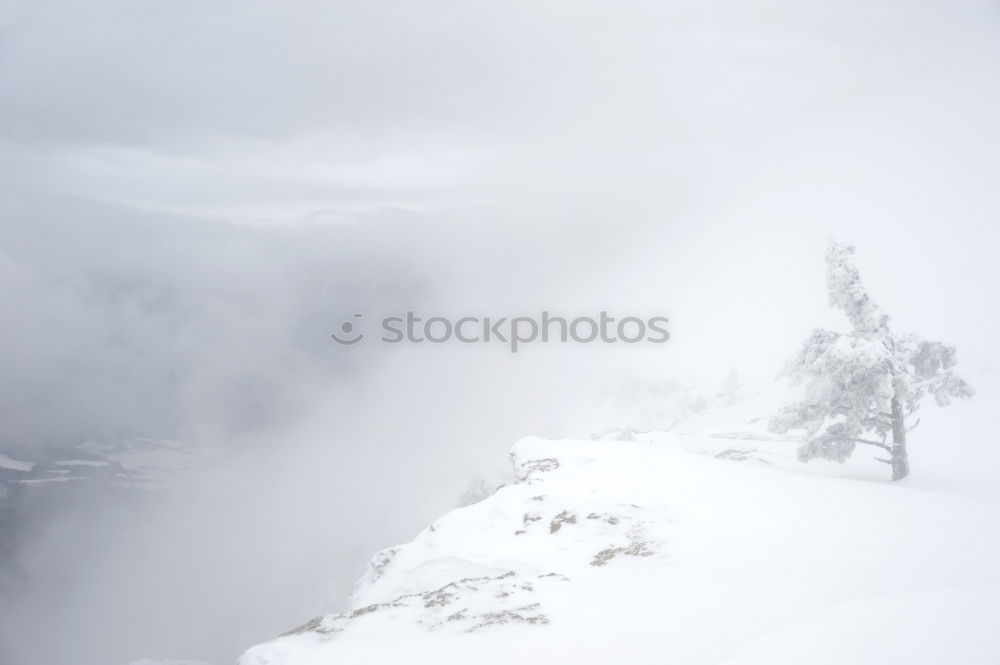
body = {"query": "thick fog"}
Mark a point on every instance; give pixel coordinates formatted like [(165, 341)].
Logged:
[(194, 196)]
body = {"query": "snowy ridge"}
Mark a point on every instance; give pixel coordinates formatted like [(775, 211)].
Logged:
[(663, 550)]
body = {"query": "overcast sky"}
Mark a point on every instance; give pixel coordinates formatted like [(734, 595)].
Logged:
[(253, 111)]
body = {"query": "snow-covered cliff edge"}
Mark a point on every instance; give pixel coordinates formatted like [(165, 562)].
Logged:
[(663, 550)]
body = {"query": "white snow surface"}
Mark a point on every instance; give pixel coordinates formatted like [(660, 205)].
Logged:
[(7, 462), (675, 549), (81, 462)]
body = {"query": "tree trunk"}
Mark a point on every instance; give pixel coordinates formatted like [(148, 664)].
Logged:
[(900, 460)]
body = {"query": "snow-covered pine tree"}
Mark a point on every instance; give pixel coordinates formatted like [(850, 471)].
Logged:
[(863, 386)]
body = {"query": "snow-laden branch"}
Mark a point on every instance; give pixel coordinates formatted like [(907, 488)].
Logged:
[(883, 446)]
